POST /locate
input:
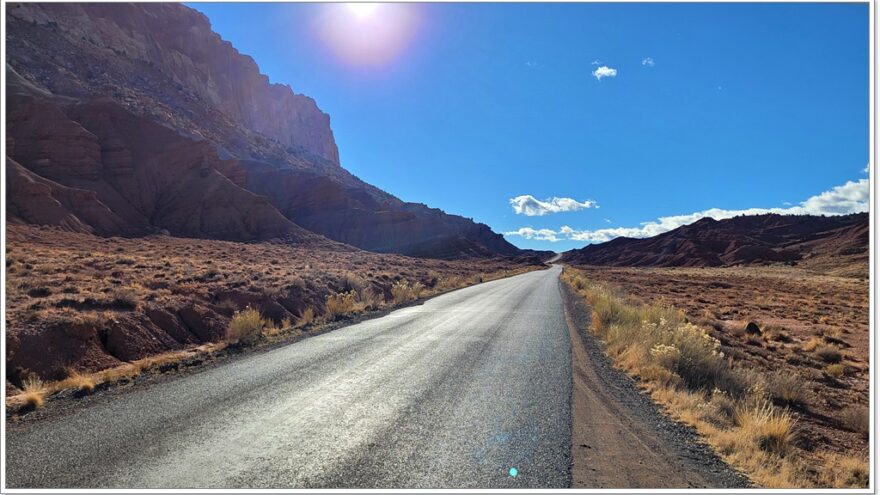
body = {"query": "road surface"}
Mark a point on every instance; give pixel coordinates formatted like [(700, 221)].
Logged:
[(470, 389)]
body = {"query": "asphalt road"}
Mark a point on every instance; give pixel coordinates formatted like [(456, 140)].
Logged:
[(463, 391)]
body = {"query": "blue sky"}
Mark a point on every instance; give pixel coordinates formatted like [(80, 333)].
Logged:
[(741, 106)]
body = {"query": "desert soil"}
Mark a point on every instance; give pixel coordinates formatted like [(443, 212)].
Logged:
[(798, 311)]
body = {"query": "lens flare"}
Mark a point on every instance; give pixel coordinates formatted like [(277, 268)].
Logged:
[(362, 10), (368, 34)]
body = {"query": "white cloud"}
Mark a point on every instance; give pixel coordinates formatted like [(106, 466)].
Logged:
[(536, 234), (648, 62), (852, 197), (531, 64), (530, 206), (596, 62), (604, 71)]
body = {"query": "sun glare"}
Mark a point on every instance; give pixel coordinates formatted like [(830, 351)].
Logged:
[(368, 34), (362, 10)]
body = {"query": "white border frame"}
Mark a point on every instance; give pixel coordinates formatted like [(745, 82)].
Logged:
[(872, 288)]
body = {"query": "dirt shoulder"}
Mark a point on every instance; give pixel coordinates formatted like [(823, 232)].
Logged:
[(619, 438)]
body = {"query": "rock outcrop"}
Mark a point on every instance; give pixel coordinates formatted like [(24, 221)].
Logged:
[(172, 128), (179, 42)]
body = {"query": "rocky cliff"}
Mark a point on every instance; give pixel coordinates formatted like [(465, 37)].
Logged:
[(178, 42), (172, 128)]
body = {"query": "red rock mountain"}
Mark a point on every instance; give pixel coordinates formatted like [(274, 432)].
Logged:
[(743, 240), (125, 119)]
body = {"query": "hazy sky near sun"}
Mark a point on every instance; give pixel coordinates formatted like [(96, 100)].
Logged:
[(625, 113)]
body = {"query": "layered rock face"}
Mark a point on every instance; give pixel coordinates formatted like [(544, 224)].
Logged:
[(744, 240), (180, 43), (172, 128)]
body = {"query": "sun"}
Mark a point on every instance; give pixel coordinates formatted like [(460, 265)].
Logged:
[(362, 10), (368, 33)]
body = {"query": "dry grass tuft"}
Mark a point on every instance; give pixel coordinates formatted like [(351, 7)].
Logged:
[(786, 389), (306, 318), (857, 419), (34, 395), (771, 429), (339, 304), (78, 381), (829, 354), (845, 472), (246, 327), (835, 370), (402, 291)]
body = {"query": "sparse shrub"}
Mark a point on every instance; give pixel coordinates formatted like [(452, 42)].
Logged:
[(723, 404), (835, 370), (39, 292), (352, 282), (811, 344), (34, 395), (370, 299), (417, 289), (123, 298), (246, 327), (660, 375), (77, 381), (340, 304), (227, 306), (403, 291), (857, 419), (776, 333), (829, 354), (306, 318), (286, 323), (771, 429), (845, 472), (786, 389)]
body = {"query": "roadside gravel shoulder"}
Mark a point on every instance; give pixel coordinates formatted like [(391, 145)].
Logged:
[(619, 437)]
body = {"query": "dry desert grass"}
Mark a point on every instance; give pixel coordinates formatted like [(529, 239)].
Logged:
[(84, 310), (748, 366)]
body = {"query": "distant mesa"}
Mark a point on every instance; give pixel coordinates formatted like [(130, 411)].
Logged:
[(836, 242)]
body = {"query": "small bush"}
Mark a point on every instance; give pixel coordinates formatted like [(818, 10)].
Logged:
[(835, 370), (340, 304), (771, 429), (306, 318), (857, 419), (776, 333), (845, 472), (370, 299), (786, 389), (403, 291), (353, 282), (829, 354), (123, 298), (227, 306), (811, 344), (77, 381), (34, 393), (246, 327), (39, 292), (723, 404)]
